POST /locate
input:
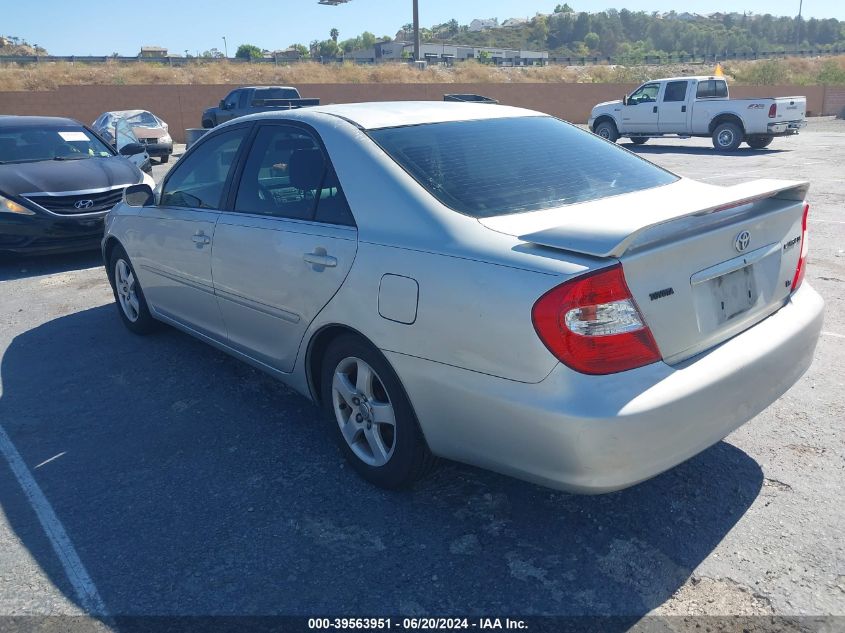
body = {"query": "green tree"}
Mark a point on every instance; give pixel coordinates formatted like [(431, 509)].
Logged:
[(334, 33), (368, 40), (592, 40), (248, 51)]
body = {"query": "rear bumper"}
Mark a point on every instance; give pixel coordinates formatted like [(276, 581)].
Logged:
[(43, 234), (157, 150), (594, 434), (785, 128)]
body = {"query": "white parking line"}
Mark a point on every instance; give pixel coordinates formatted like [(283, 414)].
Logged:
[(86, 592), (834, 334), (829, 221)]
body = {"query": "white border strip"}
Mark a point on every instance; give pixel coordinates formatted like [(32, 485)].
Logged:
[(86, 591), (834, 334)]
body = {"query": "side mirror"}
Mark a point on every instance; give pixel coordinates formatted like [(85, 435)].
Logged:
[(130, 149), (140, 195), (222, 104), (625, 100)]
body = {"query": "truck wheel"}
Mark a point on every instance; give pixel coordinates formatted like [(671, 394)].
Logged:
[(639, 140), (760, 141), (607, 129), (164, 159), (207, 124), (727, 137)]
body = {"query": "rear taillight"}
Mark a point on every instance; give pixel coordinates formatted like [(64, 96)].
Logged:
[(592, 324), (773, 110), (802, 258)]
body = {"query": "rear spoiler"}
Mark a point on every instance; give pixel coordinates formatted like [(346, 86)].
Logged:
[(614, 226), (285, 104)]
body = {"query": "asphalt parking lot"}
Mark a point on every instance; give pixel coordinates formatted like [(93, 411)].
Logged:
[(187, 483)]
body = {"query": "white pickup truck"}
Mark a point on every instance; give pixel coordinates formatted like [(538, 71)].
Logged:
[(698, 106)]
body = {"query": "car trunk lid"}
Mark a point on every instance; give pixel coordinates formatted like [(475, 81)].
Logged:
[(702, 262)]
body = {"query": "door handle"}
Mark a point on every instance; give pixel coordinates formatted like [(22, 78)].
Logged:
[(320, 258), (199, 238), (683, 108), (654, 109)]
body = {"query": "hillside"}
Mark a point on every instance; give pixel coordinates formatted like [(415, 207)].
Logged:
[(629, 34)]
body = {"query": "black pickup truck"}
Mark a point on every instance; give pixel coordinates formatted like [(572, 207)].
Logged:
[(249, 100)]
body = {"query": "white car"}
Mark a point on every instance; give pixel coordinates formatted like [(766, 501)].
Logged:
[(476, 282), (698, 106)]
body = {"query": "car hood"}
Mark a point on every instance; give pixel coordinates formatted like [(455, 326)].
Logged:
[(72, 175), (607, 104)]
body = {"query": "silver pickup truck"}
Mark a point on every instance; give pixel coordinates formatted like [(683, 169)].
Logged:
[(698, 106)]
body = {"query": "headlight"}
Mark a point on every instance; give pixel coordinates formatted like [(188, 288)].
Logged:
[(10, 206), (166, 139)]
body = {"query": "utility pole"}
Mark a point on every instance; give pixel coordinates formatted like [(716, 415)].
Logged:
[(798, 27), (416, 30), (225, 48)]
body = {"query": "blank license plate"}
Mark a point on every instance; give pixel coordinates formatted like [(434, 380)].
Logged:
[(734, 293)]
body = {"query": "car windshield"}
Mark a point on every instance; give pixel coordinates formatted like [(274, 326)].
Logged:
[(511, 165), (27, 144), (143, 119)]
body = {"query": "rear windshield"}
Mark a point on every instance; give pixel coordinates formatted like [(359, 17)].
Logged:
[(500, 166), (262, 94)]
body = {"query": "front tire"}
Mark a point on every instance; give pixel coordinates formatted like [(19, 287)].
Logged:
[(164, 159), (607, 130), (639, 140), (760, 141), (128, 295), (727, 137), (372, 418)]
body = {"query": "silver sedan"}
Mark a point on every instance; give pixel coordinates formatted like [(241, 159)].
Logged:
[(480, 283)]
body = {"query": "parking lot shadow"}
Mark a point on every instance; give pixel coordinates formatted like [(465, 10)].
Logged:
[(23, 266), (651, 148), (190, 484)]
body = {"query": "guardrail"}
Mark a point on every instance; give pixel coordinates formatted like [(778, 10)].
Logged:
[(571, 60)]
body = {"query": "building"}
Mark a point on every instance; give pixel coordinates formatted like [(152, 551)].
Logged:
[(484, 25), (447, 54), (153, 51), (512, 23), (290, 54)]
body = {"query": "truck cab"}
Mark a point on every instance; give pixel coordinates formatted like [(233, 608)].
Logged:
[(697, 106), (251, 99)]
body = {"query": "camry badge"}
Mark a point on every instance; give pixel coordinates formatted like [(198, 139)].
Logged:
[(742, 241), (83, 204)]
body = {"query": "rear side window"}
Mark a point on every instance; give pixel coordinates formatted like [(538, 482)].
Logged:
[(501, 166), (197, 181), (287, 175), (675, 91), (712, 89)]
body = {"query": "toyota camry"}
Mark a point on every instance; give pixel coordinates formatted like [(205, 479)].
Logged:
[(480, 283)]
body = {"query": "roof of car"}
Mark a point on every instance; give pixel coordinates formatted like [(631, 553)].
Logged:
[(126, 114), (383, 114), (688, 77), (35, 121)]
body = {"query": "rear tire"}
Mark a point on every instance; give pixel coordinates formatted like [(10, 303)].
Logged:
[(727, 137), (207, 124), (164, 159), (759, 141), (128, 295), (607, 130), (372, 418), (639, 140)]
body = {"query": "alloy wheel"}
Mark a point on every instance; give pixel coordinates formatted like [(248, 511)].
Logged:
[(363, 411)]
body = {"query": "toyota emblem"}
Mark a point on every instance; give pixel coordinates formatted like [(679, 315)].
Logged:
[(742, 241), (83, 204)]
